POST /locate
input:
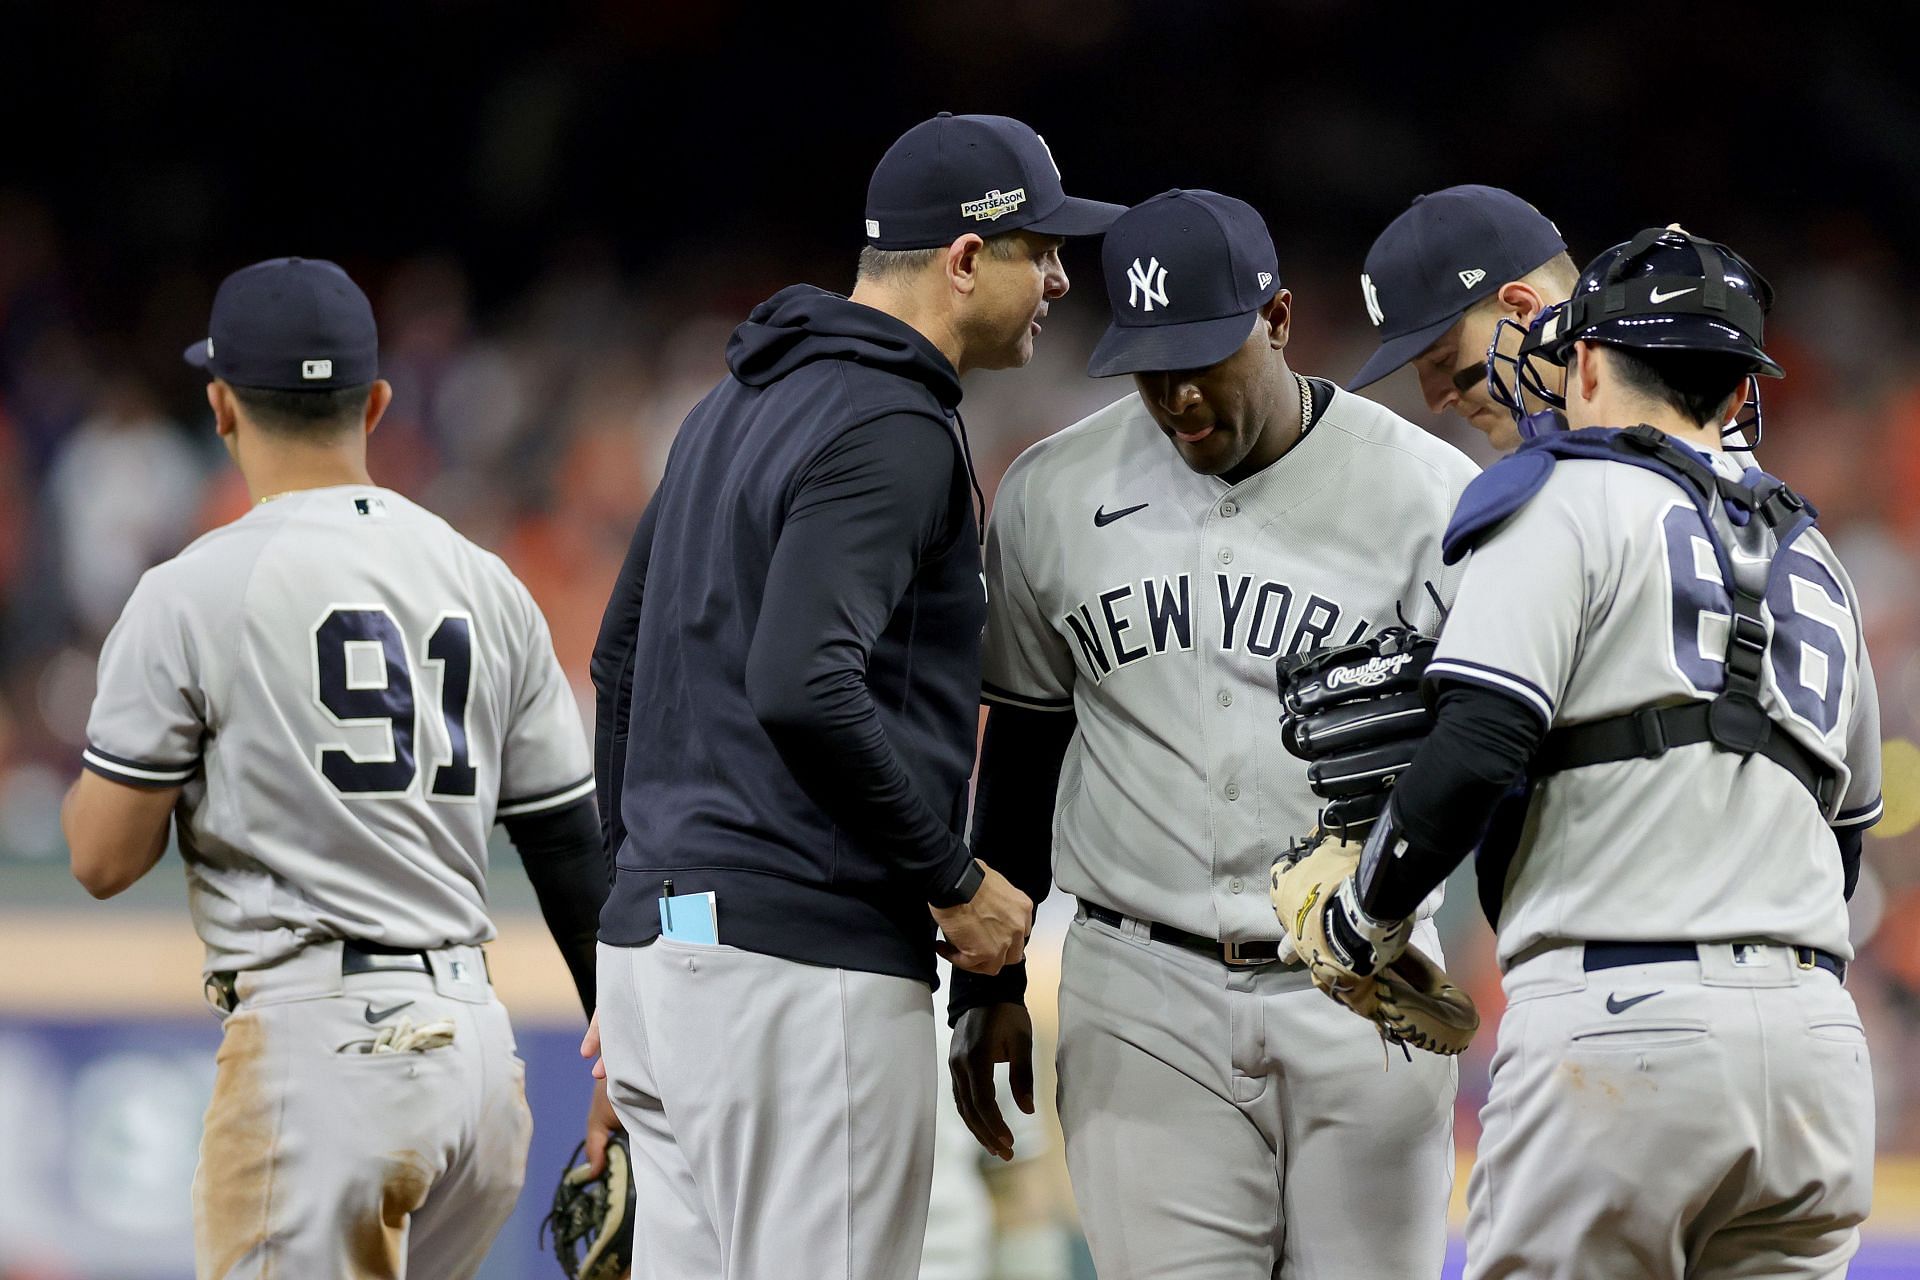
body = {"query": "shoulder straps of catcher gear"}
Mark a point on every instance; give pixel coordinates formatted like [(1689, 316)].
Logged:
[(1734, 720)]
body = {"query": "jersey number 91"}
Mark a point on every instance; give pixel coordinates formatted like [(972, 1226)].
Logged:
[(362, 676)]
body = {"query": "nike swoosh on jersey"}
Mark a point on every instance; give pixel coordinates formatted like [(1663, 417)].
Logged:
[(1102, 517), (1656, 297), (1616, 1005), (380, 1015)]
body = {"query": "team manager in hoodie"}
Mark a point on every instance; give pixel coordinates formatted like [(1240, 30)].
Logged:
[(788, 679)]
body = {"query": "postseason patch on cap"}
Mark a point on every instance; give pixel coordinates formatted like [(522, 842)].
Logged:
[(994, 205)]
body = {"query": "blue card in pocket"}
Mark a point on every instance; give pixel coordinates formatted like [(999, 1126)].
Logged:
[(689, 917)]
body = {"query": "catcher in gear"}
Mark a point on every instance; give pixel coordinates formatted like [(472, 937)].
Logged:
[(1656, 646), (1356, 714), (591, 1221)]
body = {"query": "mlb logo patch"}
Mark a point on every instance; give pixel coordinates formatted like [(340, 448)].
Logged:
[(312, 370), (373, 506)]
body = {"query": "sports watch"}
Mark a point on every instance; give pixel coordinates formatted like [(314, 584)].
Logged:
[(961, 891)]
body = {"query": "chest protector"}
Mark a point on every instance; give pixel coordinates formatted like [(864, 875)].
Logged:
[(1733, 720)]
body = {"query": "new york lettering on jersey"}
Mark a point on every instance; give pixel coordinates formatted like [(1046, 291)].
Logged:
[(1161, 629), (1133, 621)]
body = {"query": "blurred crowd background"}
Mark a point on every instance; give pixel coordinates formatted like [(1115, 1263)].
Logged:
[(560, 212)]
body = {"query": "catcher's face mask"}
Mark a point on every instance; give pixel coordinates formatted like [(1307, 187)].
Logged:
[(1514, 380)]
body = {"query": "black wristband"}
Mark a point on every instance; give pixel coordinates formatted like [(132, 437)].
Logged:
[(961, 891)]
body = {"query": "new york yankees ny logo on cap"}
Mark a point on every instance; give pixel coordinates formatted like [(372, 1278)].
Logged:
[(1185, 271)]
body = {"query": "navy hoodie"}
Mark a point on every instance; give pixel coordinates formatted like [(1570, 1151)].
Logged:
[(788, 674)]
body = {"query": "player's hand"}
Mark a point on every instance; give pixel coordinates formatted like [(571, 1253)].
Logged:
[(988, 932), (590, 1047), (602, 1124), (982, 1039)]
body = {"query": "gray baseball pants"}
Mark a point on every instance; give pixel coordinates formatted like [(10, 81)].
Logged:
[(1709, 1119), (781, 1114), (321, 1160), (1236, 1124)]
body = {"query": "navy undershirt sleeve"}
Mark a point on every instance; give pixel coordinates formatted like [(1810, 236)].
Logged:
[(1850, 840), (1020, 762), (1478, 749), (612, 669), (866, 513), (570, 871)]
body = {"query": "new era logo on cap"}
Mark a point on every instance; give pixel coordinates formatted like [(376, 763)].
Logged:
[(1264, 278), (1473, 277)]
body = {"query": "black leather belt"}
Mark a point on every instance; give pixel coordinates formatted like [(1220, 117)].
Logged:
[(1237, 955), (1611, 955), (355, 957), (372, 957)]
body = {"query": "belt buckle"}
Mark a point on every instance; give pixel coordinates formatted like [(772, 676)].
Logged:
[(1231, 957)]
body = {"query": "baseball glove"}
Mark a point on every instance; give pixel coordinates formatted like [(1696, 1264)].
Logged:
[(1409, 998), (1355, 714), (592, 1218)]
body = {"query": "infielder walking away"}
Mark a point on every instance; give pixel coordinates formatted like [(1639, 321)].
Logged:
[(336, 696), (788, 678), (1660, 640), (1146, 569)]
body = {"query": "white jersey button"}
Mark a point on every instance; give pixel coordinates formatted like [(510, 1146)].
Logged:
[(1226, 697), (1229, 508), (1226, 555), (1233, 791), (1235, 884)]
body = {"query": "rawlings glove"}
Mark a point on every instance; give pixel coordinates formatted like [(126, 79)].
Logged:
[(592, 1218), (1355, 714), (1366, 964)]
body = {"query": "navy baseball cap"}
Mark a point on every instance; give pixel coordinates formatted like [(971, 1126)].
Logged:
[(1433, 262), (987, 174), (290, 324), (1186, 271)]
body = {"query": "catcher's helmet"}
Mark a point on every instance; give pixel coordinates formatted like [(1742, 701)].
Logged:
[(1663, 290)]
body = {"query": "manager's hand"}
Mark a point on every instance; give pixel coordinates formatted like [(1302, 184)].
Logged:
[(988, 931)]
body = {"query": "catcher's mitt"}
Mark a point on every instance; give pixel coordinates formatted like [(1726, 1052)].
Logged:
[(1410, 999), (1356, 715), (592, 1218)]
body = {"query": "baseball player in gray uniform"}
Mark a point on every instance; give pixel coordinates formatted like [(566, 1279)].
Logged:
[(336, 696), (1662, 645), (1147, 568)]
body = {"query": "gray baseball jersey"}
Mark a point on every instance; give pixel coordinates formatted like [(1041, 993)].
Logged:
[(1153, 601), (349, 694), (1602, 595)]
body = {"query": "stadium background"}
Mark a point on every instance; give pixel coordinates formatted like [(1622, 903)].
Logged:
[(560, 212)]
